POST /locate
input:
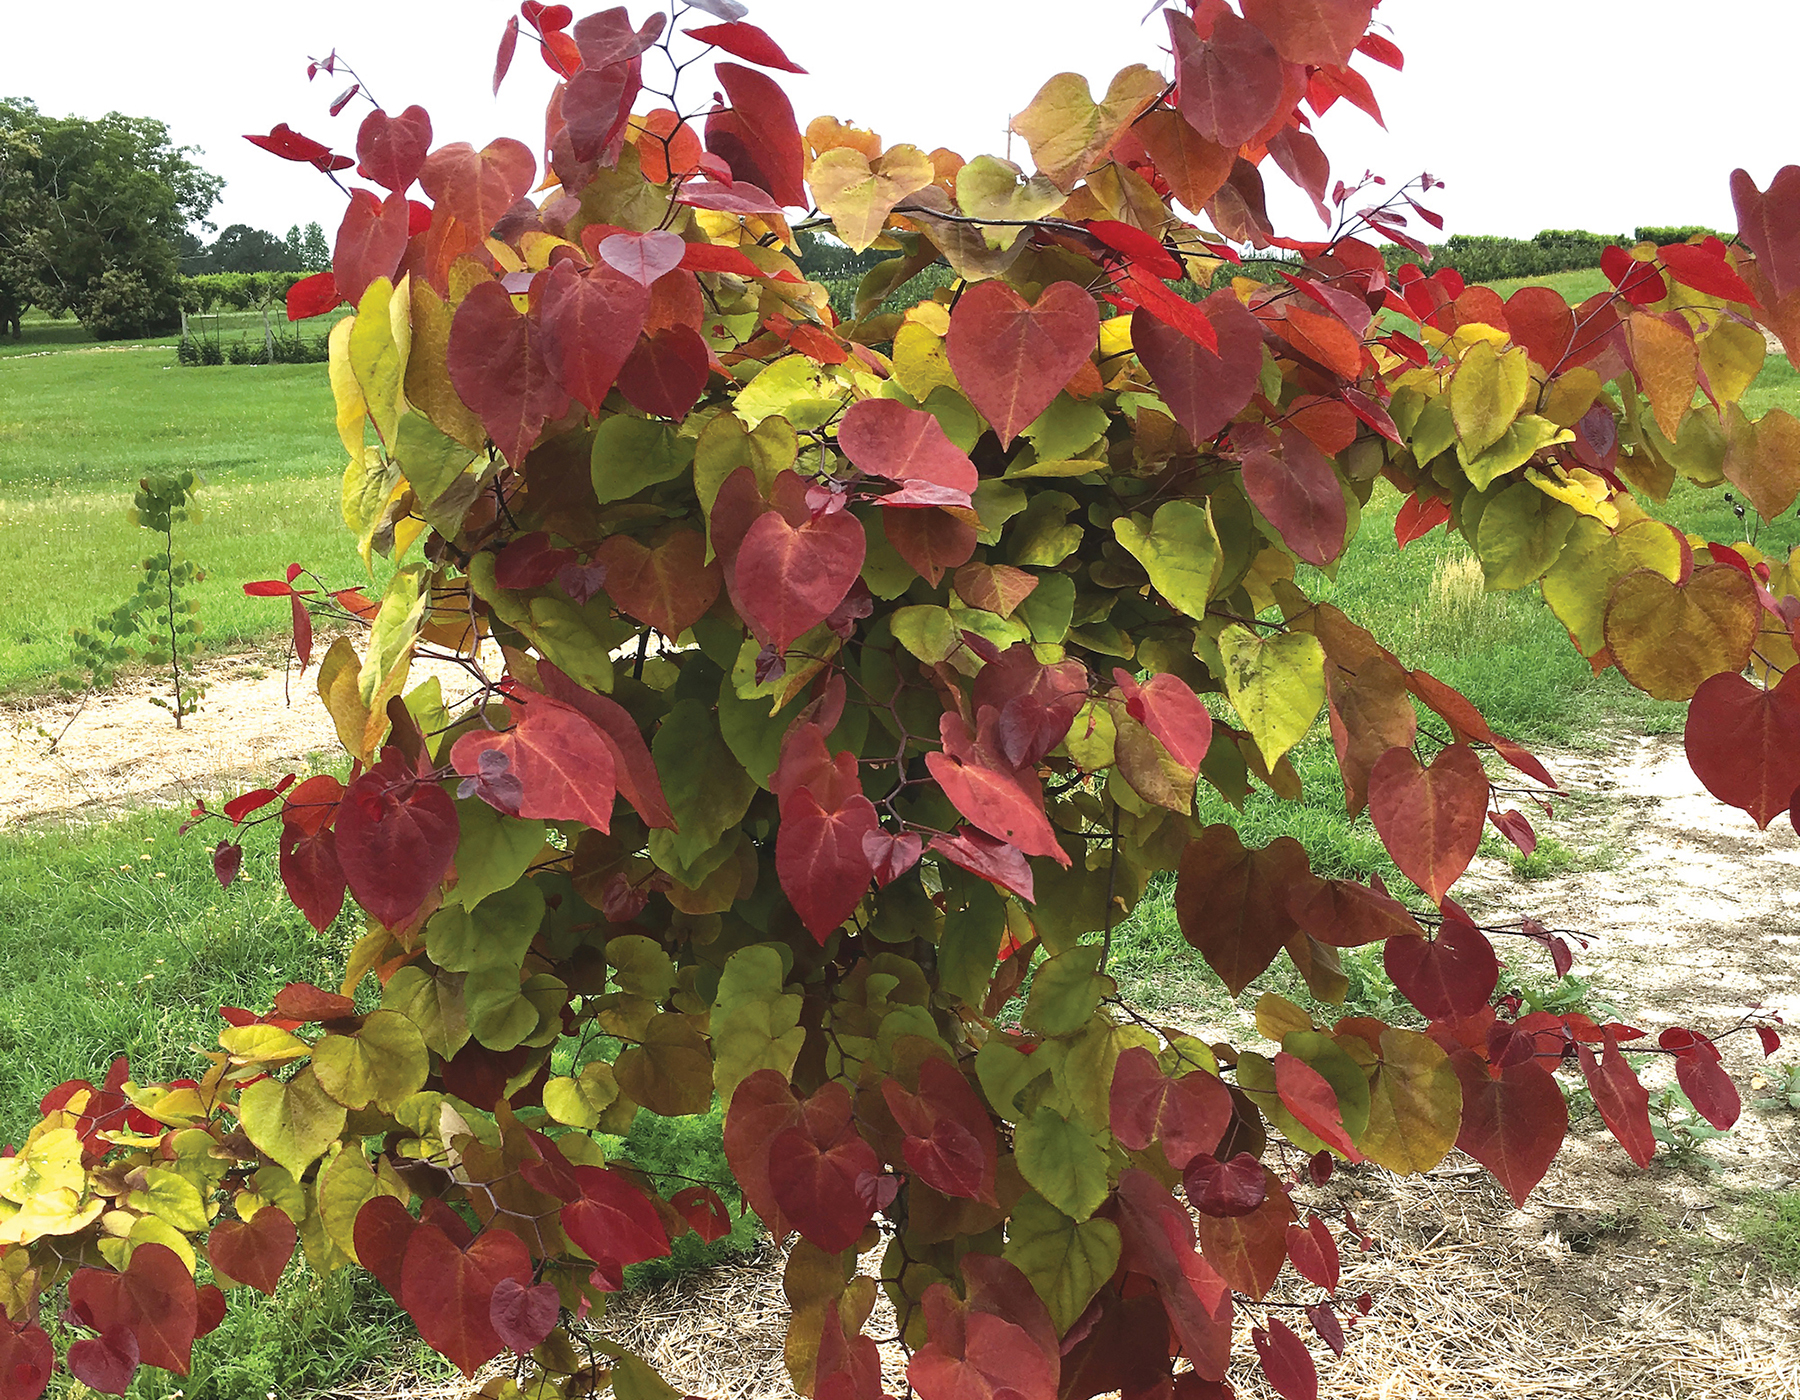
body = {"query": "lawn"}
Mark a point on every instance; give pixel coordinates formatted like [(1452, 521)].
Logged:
[(77, 430)]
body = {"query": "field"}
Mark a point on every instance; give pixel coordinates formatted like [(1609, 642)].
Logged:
[(118, 940)]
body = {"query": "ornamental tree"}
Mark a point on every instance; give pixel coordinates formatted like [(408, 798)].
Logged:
[(840, 683)]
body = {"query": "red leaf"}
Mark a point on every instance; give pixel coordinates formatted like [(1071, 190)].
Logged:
[(1312, 31), (289, 144), (383, 1228), (1157, 1236), (885, 438), (1512, 1125), (1743, 742), (370, 242), (719, 257), (1231, 83), (497, 365), (1344, 914), (1429, 819), (669, 587), (993, 798), (891, 855), (1298, 492), (1286, 1361), (154, 1300), (245, 803), (520, 1316), (254, 1252), (228, 859), (819, 857), (613, 1222), (391, 150), (1771, 1042), (450, 1290), (313, 296), (1308, 1095), (1448, 976), (1769, 221), (666, 372), (26, 1359), (993, 860), (739, 198), (509, 41), (1513, 825), (396, 838), (1710, 1089), (701, 1207), (747, 42), (547, 19), (562, 762), (758, 136), (607, 37), (1012, 357), (1137, 247), (633, 768), (1203, 389), (310, 871), (1325, 1322), (1248, 1250), (999, 1344), (590, 322), (303, 632), (1539, 318), (1638, 282), (1187, 1115), (1382, 50), (950, 1140), (790, 578), (1183, 315), (643, 257), (1622, 1100), (1314, 1253), (932, 541), (1167, 706), (477, 188), (105, 1363), (596, 104), (815, 1166), (1233, 904), (303, 1002), (1233, 1187)]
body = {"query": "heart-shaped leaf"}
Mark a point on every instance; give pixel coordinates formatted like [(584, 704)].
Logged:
[(1451, 975), (1203, 389), (590, 323), (371, 241), (478, 187), (449, 1290), (643, 257), (1667, 638), (1743, 742), (1430, 819), (790, 578), (562, 763), (1012, 357), (392, 150), (522, 1317), (254, 1252), (669, 587), (396, 838), (498, 368)]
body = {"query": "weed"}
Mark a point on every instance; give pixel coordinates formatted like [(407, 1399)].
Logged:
[(1679, 1127), (1771, 1225)]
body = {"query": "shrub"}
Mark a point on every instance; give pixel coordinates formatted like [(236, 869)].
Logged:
[(831, 708), (127, 303)]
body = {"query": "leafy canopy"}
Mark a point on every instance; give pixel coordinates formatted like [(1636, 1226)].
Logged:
[(840, 684)]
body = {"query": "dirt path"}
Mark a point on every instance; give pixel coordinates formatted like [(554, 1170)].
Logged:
[(1609, 1283)]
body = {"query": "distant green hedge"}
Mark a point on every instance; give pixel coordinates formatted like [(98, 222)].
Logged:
[(236, 291), (1490, 258)]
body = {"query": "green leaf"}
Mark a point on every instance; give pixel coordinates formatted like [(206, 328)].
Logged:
[(632, 453), (1486, 393), (433, 1003), (1276, 684), (1063, 1162), (1179, 550), (1066, 427), (494, 935), (928, 632), (707, 788), (1043, 537), (404, 604), (291, 1123), (1512, 449), (384, 1062), (755, 1024), (1415, 1104), (429, 459), (1067, 1261), (1066, 991), (1521, 534), (492, 853)]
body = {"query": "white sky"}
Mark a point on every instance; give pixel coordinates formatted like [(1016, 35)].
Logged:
[(1590, 114)]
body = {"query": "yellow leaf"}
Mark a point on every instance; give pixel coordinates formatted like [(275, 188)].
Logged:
[(338, 689), (1069, 132), (376, 360), (1570, 395), (1486, 395), (1667, 638), (920, 363), (1276, 684), (1667, 366), (1587, 493), (351, 410), (1731, 356), (1593, 559), (991, 188), (825, 133), (428, 386), (1762, 459), (858, 194)]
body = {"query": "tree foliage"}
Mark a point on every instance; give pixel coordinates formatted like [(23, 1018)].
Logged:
[(92, 214), (841, 684)]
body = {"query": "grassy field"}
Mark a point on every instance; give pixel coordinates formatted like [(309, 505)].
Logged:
[(77, 430)]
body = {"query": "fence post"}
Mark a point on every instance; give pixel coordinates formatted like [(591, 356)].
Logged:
[(268, 336)]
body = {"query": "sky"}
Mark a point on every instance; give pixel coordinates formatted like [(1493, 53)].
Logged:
[(1535, 113)]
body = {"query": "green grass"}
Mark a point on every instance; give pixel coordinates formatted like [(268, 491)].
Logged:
[(1771, 1224), (41, 334), (1576, 286), (77, 430)]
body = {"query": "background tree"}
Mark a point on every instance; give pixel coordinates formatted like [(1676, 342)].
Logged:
[(91, 216)]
